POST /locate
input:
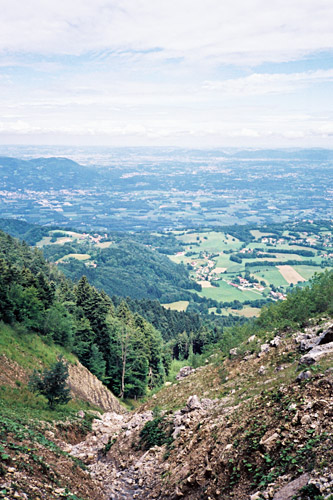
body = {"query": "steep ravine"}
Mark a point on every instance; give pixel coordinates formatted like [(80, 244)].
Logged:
[(268, 434)]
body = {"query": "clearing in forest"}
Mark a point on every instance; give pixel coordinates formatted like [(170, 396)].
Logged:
[(77, 256), (290, 274), (179, 305)]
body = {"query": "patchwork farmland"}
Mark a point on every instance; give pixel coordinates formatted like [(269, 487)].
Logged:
[(243, 269), (236, 270)]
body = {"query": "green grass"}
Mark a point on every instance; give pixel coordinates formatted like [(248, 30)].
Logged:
[(258, 234), (211, 241), (20, 402), (190, 237), (29, 350), (227, 293), (46, 240), (247, 312), (282, 257), (24, 418), (224, 261), (180, 305), (181, 258), (77, 256), (308, 271), (214, 242), (270, 275)]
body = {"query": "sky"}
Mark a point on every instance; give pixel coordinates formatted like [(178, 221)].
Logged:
[(188, 73)]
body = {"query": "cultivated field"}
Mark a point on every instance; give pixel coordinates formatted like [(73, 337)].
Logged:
[(225, 265), (290, 274)]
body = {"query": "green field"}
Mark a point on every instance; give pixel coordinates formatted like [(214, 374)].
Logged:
[(308, 271), (211, 241), (67, 236), (210, 257), (77, 256), (227, 293), (180, 305), (44, 241), (259, 234), (181, 258), (270, 275), (247, 312), (213, 244)]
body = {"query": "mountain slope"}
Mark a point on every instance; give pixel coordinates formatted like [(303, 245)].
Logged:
[(268, 436), (33, 458), (20, 354), (256, 422)]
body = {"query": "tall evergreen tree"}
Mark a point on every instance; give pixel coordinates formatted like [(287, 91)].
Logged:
[(52, 383)]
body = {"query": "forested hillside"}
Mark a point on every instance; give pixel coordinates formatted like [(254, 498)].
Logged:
[(38, 173), (121, 348), (30, 233), (127, 343), (130, 268)]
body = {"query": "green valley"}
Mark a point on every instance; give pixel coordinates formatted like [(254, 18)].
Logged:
[(234, 270)]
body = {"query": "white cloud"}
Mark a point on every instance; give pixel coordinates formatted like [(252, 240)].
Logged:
[(232, 31), (256, 83), (151, 71)]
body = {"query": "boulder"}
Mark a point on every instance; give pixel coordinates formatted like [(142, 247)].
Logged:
[(264, 348), (256, 496), (307, 360), (276, 341), (316, 353), (305, 375), (193, 403), (291, 489), (233, 352), (177, 431), (269, 441), (184, 372), (309, 342)]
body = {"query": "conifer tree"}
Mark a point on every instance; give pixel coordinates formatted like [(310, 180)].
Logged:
[(52, 383)]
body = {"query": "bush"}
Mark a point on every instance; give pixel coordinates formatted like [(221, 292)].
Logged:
[(52, 383), (156, 432)]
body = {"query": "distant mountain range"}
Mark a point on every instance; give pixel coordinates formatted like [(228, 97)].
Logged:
[(45, 173)]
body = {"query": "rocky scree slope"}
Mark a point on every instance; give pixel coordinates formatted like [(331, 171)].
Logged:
[(34, 463), (255, 425)]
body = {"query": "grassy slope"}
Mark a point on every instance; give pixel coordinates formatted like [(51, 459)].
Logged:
[(31, 461), (29, 350)]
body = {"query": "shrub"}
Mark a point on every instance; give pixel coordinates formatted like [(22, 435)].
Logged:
[(155, 432), (52, 383)]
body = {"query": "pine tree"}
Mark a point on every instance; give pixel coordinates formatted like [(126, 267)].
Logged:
[(96, 363), (52, 383)]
